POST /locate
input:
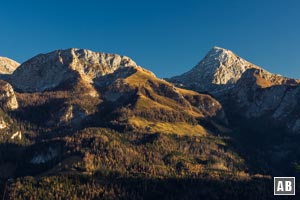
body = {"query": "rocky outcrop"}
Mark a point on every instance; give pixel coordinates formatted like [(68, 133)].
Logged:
[(3, 124), (16, 135), (71, 114), (8, 99), (48, 71), (8, 66)]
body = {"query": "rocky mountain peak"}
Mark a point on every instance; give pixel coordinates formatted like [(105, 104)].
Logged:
[(218, 54), (222, 66), (219, 67), (7, 66), (47, 71), (220, 70)]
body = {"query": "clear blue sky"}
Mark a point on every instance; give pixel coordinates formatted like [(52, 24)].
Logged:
[(167, 37)]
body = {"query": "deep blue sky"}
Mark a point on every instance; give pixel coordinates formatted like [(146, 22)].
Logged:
[(167, 37)]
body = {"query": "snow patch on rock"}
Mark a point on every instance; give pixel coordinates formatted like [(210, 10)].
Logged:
[(44, 157)]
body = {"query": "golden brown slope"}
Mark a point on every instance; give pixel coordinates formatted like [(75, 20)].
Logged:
[(145, 103)]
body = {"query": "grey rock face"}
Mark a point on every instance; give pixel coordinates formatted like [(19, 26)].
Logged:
[(47, 71)]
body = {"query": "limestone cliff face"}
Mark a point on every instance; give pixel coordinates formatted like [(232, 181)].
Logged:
[(7, 96), (47, 71), (8, 66)]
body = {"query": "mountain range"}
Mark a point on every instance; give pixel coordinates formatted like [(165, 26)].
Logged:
[(81, 119)]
